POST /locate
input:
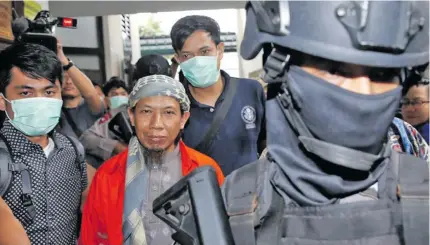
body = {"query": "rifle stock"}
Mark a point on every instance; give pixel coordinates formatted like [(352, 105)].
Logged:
[(120, 125), (194, 208)]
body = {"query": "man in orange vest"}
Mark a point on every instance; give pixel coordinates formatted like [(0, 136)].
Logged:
[(118, 209)]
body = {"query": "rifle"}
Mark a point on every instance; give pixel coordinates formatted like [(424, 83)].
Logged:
[(194, 208)]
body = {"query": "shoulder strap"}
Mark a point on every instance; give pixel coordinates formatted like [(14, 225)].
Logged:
[(72, 123), (5, 174), (80, 162), (270, 229), (79, 149), (413, 190), (219, 117), (242, 200), (27, 191)]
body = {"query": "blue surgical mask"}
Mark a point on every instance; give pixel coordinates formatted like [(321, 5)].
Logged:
[(35, 116), (201, 71), (117, 101)]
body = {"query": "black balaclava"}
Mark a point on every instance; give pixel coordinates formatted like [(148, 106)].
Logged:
[(344, 152)]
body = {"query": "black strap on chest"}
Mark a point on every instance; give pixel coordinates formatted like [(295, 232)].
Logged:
[(243, 201), (271, 225), (80, 151), (71, 122), (220, 114), (30, 209)]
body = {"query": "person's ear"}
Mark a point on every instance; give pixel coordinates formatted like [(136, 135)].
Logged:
[(184, 119), (175, 57), (220, 50), (2, 103), (131, 115)]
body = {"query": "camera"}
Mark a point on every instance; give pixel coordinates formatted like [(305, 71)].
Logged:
[(41, 29)]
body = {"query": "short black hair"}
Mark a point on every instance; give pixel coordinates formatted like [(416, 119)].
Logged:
[(114, 82), (415, 79), (35, 61), (186, 26), (151, 64)]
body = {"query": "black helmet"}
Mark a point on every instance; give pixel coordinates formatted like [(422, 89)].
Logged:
[(371, 33), (425, 73)]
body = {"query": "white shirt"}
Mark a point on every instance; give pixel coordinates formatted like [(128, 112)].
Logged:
[(49, 148)]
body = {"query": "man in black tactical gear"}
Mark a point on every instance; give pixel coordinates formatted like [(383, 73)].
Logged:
[(330, 177)]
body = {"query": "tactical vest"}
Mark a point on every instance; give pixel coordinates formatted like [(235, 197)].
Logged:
[(399, 215)]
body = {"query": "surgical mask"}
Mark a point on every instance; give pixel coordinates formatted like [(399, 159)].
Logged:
[(201, 71), (117, 101), (35, 116)]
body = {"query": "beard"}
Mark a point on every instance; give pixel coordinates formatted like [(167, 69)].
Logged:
[(154, 156)]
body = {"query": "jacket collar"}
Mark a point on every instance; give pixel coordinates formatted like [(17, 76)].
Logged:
[(195, 103), (188, 164)]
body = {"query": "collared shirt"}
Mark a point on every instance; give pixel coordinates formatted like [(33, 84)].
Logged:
[(161, 178), (57, 182), (49, 148), (405, 138), (236, 142)]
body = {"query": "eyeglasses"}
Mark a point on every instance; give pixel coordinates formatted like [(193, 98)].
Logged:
[(406, 102)]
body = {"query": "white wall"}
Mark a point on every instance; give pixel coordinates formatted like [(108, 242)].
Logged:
[(246, 66), (113, 45), (230, 64), (135, 38)]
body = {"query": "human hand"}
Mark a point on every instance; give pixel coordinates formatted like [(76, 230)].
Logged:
[(60, 54)]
